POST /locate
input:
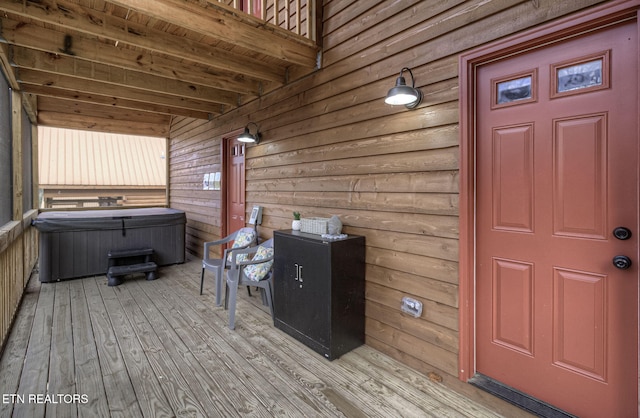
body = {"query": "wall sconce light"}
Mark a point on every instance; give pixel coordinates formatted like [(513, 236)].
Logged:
[(246, 136), (402, 94)]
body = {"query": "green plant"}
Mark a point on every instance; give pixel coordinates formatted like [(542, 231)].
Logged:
[(296, 216)]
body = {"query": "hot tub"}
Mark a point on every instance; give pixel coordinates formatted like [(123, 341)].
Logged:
[(76, 244)]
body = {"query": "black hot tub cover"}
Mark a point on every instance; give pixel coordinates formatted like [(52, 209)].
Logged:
[(107, 219)]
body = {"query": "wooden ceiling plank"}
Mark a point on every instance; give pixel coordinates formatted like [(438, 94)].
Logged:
[(225, 23), (33, 36), (65, 65), (73, 83), (71, 121), (114, 102), (55, 104)]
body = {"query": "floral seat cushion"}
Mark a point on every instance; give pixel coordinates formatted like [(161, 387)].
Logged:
[(257, 272), (242, 240)]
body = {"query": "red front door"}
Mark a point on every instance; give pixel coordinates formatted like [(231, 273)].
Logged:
[(235, 185), (557, 173)]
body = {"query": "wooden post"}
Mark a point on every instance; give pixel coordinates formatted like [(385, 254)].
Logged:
[(298, 19), (287, 15), (276, 12), (16, 132), (167, 180), (35, 163), (311, 20)]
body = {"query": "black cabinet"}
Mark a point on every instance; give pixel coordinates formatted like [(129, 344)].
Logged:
[(318, 293)]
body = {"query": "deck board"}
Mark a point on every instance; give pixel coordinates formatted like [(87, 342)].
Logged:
[(130, 338), (158, 349), (15, 350), (63, 375), (34, 376), (206, 341), (291, 384), (117, 383), (185, 382), (87, 365)]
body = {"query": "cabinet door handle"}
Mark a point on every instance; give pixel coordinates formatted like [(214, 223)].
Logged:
[(300, 273), (297, 271)]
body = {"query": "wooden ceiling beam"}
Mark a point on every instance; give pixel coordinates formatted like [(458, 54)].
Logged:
[(72, 121), (225, 23), (32, 58), (73, 114), (91, 110), (32, 36), (69, 66), (42, 78), (115, 102)]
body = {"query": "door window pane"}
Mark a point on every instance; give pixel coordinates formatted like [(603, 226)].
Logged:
[(579, 76), (514, 89)]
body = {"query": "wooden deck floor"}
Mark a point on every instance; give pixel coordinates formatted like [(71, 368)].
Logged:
[(158, 349)]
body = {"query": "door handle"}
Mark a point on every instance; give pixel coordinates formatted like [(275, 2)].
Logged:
[(298, 276), (622, 262)]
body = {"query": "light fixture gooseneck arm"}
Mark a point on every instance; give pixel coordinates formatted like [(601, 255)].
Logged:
[(413, 81)]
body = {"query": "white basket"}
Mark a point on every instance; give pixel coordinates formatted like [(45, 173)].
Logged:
[(314, 225)]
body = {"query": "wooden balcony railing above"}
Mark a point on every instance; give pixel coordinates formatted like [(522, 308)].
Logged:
[(298, 16)]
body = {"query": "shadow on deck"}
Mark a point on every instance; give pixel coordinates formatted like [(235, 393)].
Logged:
[(154, 349)]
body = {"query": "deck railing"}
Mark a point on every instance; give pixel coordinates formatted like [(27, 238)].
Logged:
[(298, 16), (18, 255)]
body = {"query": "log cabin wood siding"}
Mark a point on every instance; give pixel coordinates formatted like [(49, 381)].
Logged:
[(332, 147)]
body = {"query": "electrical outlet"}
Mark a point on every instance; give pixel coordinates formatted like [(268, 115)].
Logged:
[(411, 306)]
